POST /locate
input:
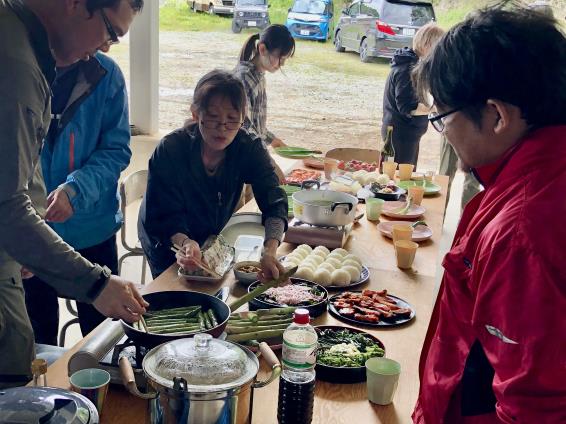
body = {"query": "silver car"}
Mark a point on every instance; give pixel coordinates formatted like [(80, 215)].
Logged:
[(376, 28)]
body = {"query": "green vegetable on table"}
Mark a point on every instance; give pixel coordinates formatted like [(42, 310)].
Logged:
[(250, 327), (344, 348)]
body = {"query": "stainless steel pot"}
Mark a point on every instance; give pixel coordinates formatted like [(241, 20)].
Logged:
[(200, 381), (45, 405), (324, 207)]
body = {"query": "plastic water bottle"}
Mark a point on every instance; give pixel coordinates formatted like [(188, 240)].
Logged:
[(296, 385)]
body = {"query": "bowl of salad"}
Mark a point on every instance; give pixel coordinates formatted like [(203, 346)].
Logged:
[(342, 353), (300, 293)]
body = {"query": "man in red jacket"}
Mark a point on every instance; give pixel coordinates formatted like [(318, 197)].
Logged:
[(495, 351)]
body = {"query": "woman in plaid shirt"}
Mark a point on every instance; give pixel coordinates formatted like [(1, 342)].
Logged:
[(265, 51)]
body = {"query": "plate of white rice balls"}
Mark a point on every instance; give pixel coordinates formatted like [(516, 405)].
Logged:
[(336, 269)]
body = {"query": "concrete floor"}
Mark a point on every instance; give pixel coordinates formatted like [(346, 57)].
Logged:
[(143, 147)]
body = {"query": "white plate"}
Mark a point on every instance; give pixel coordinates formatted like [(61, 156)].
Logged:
[(420, 233), (389, 208)]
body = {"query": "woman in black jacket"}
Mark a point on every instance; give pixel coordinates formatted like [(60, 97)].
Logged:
[(400, 104), (196, 175)]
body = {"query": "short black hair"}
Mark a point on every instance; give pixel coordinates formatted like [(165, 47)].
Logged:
[(93, 5), (221, 83), (516, 56)]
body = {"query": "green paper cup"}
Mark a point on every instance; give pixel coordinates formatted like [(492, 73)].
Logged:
[(93, 384), (382, 378)]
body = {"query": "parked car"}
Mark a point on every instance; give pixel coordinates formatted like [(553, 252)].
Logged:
[(214, 7), (311, 19), (250, 14), (376, 28)]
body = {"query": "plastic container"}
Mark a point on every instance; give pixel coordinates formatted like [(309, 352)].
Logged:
[(248, 248), (297, 383)]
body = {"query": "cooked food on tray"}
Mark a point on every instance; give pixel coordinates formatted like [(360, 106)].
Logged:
[(217, 255), (336, 268), (357, 165), (298, 176), (252, 327), (293, 295), (369, 306), (189, 319), (249, 269), (364, 177), (345, 348), (379, 188)]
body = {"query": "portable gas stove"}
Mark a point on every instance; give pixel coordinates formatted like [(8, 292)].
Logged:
[(314, 235), (105, 348)]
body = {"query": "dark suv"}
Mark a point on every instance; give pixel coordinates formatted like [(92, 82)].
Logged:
[(376, 28)]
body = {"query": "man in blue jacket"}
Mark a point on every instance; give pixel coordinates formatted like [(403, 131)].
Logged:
[(86, 148)]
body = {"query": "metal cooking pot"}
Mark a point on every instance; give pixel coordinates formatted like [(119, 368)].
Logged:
[(46, 405), (324, 207), (201, 380)]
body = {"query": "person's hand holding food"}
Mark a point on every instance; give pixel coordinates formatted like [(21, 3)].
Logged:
[(189, 255), (271, 268), (120, 299)]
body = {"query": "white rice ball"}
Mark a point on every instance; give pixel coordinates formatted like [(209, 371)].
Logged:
[(305, 247), (305, 273), (336, 263), (350, 262), (323, 277), (299, 253), (319, 253), (315, 258), (322, 249), (353, 271), (291, 262), (326, 266), (335, 256), (341, 252), (340, 278), (354, 258), (308, 264)]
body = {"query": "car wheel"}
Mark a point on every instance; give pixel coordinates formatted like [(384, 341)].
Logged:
[(236, 29), (211, 10), (364, 51), (338, 43)]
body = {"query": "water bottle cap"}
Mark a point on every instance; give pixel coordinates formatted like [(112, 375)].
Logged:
[(301, 316)]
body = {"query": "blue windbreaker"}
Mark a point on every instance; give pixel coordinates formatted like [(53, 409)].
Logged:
[(92, 147)]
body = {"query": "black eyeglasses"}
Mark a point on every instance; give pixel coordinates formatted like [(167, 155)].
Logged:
[(113, 36), (436, 119), (212, 124)]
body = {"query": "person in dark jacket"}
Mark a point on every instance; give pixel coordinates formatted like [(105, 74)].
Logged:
[(401, 108), (196, 175)]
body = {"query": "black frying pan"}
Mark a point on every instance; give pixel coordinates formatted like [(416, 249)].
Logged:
[(175, 299)]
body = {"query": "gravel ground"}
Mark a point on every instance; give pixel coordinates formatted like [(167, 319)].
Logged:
[(308, 106)]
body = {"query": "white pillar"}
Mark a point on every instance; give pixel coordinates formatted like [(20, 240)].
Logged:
[(144, 69)]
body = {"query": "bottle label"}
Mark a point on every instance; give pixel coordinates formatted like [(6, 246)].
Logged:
[(300, 356)]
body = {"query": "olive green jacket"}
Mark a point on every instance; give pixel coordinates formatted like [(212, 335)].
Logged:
[(25, 238)]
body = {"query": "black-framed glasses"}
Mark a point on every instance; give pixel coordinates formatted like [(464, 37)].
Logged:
[(436, 119), (110, 29), (212, 124)]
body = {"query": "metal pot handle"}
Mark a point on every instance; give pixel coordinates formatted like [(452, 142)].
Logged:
[(272, 361), (310, 184), (335, 205), (129, 381)]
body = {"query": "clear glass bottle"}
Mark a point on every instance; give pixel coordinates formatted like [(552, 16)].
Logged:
[(387, 149), (296, 386)]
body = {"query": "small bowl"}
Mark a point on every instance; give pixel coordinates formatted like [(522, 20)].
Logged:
[(246, 277)]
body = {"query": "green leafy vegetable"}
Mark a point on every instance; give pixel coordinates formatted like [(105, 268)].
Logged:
[(344, 348)]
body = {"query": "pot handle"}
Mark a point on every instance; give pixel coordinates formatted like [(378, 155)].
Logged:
[(335, 205), (129, 381), (310, 184), (272, 361)]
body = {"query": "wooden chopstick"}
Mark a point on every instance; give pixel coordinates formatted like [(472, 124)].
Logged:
[(175, 248)]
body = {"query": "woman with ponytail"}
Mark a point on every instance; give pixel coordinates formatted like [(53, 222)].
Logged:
[(266, 51)]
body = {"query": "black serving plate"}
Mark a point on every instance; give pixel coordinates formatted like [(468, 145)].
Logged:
[(388, 196), (383, 322), (315, 310), (343, 375)]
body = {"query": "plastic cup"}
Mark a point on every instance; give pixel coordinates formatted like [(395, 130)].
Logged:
[(382, 379), (389, 168), (402, 232), (373, 208), (405, 251), (93, 384), (416, 193), (330, 168), (406, 171), (429, 176)]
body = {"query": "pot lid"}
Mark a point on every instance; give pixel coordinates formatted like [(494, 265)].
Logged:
[(204, 363), (48, 405)]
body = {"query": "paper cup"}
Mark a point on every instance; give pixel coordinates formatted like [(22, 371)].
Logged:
[(405, 171), (382, 379), (405, 251), (389, 168), (416, 193), (402, 232), (93, 384), (330, 168), (373, 208)]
